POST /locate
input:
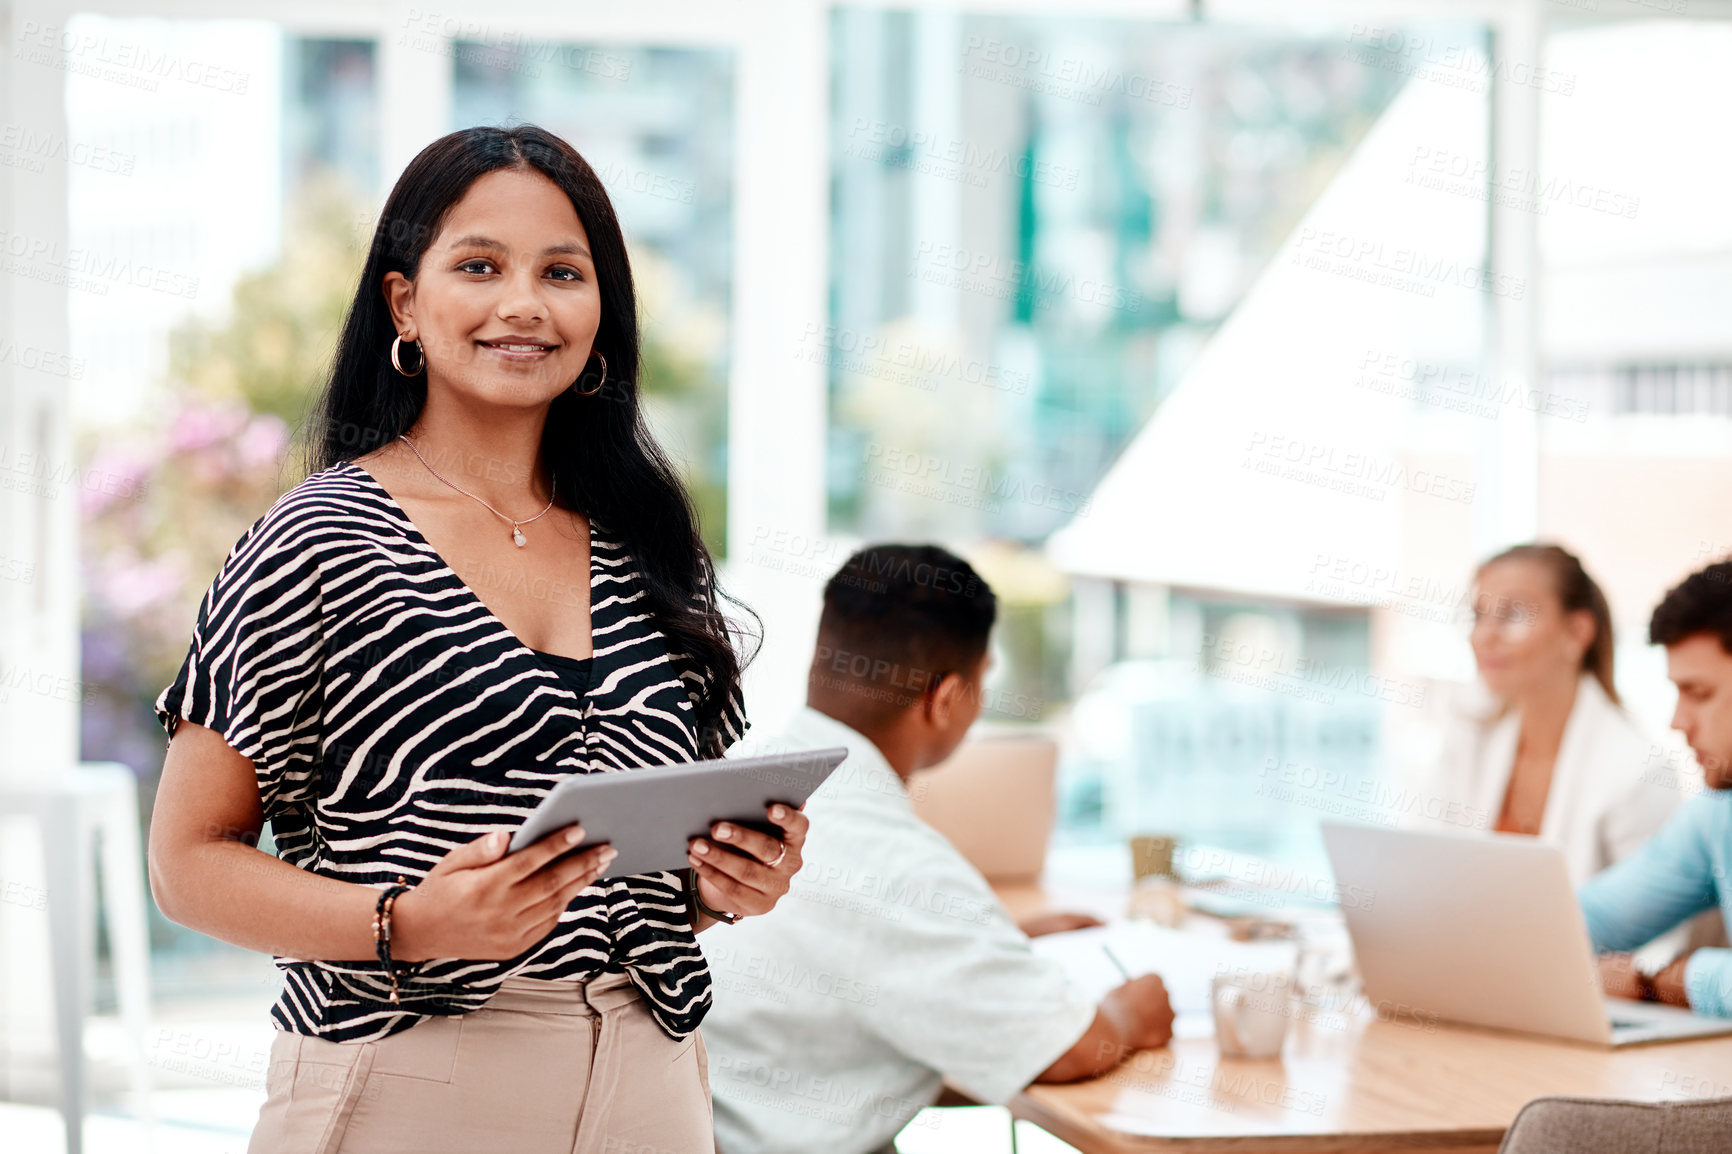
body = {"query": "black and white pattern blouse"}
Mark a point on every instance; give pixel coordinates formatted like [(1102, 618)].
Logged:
[(392, 717)]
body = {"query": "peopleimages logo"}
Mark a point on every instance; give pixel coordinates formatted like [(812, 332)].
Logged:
[(1065, 77), (135, 65), (45, 475), (1408, 269), (934, 476), (991, 274), (1267, 667), (1522, 188), (952, 158), (1458, 389), (901, 361), (1387, 587), (1347, 471), (1383, 802), (80, 268), (1458, 65), (34, 147), (783, 974)]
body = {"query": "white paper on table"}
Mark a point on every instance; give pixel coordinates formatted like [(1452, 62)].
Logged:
[(1187, 963)]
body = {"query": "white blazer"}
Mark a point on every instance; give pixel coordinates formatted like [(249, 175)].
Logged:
[(1606, 797)]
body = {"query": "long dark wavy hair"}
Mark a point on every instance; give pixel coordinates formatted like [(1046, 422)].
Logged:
[(607, 465)]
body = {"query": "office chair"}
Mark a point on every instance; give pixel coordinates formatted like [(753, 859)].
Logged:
[(1557, 1125)]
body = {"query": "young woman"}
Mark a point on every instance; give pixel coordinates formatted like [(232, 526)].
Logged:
[(1550, 752), (492, 580)]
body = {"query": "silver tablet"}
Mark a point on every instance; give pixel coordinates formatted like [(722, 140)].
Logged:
[(650, 815)]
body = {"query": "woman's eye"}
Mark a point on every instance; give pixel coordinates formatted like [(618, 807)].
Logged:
[(476, 266), (564, 272)]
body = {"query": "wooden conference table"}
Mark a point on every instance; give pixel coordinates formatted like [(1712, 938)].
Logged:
[(1345, 1081)]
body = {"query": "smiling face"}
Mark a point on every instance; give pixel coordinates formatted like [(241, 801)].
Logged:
[(505, 302), (1702, 670), (1522, 637)]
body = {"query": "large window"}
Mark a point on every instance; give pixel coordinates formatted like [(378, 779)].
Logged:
[(1037, 225)]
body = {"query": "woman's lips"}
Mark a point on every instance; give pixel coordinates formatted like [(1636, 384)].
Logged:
[(516, 352)]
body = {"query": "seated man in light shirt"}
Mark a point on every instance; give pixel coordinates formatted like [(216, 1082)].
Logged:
[(892, 965), (1682, 870)]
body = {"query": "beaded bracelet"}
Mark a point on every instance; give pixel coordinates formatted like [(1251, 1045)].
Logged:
[(382, 929)]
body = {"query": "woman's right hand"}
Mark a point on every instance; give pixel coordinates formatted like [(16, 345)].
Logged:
[(478, 902)]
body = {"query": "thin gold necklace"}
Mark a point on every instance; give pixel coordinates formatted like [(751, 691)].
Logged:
[(517, 536)]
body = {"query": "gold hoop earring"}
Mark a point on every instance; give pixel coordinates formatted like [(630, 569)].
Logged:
[(398, 365), (598, 384)]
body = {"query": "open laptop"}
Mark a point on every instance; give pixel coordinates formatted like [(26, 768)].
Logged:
[(993, 799), (1484, 929)]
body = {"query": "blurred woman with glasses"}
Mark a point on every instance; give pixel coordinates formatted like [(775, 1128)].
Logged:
[(1551, 752)]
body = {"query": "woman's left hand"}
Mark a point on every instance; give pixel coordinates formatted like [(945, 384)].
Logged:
[(752, 882)]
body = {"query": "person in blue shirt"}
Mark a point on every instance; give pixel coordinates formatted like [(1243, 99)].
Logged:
[(1682, 870)]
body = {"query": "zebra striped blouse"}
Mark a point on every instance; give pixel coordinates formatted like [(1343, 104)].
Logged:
[(391, 717)]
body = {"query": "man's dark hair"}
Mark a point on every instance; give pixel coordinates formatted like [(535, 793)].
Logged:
[(896, 619), (1701, 603)]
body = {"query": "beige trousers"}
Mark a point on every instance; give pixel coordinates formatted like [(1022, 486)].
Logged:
[(546, 1067)]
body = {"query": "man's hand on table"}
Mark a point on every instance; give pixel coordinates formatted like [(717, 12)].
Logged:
[(1057, 923), (1136, 1016), (1621, 980), (1145, 1010)]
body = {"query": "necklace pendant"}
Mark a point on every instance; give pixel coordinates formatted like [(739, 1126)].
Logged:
[(518, 537)]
